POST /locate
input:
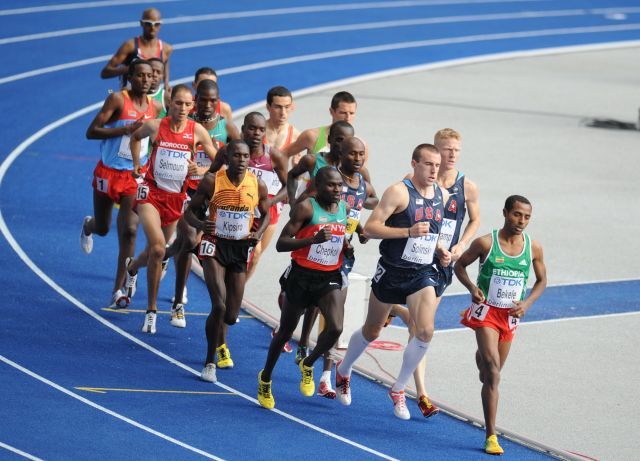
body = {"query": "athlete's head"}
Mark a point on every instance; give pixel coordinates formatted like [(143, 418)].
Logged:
[(328, 184), (343, 107), (517, 213), (425, 162), (448, 141), (207, 98), (140, 75), (351, 155), (338, 132), (237, 156), (204, 73), (279, 104), (181, 102), (151, 21), (157, 68), (253, 128)]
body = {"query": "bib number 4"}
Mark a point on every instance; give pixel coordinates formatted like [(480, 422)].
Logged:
[(478, 311)]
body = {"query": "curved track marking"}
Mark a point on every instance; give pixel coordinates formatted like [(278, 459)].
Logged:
[(77, 6)]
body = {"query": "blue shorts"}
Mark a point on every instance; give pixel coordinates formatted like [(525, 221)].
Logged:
[(392, 285), (445, 277)]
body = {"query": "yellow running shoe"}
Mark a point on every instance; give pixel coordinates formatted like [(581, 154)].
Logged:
[(492, 446), (307, 386), (265, 398), (224, 357)]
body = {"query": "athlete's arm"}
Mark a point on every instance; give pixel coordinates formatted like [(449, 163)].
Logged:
[(157, 105), (219, 161), (372, 199), (201, 198), (166, 51), (305, 141), (471, 195), (149, 128), (116, 67), (264, 206), (202, 137), (301, 214), (521, 307), (365, 174), (394, 199), (479, 249), (280, 166), (305, 165), (111, 108)]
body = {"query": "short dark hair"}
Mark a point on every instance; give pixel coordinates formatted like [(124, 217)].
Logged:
[(251, 115), (512, 199), (135, 63), (205, 71), (323, 173), (280, 91), (155, 59), (339, 125), (420, 147), (207, 85), (233, 144), (180, 87), (342, 96)]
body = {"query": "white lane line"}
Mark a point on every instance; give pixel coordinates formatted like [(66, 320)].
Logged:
[(19, 452), (107, 411), (257, 13), (77, 6), (340, 53)]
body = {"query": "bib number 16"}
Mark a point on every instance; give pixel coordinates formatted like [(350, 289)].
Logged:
[(207, 249)]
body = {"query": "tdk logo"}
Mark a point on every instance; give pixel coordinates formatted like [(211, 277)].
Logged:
[(447, 223), (235, 215), (507, 282)]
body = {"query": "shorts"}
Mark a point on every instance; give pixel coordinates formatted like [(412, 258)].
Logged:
[(392, 285), (346, 268), (445, 277), (303, 287), (233, 255), (170, 205), (275, 212), (113, 183), (481, 315)]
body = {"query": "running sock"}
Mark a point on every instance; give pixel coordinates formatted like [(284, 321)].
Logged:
[(413, 353), (357, 345), (326, 376)]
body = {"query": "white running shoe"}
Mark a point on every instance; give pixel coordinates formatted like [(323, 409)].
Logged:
[(177, 316), (399, 404), (209, 373), (184, 297), (130, 280), (86, 241), (149, 325), (119, 300), (165, 268), (343, 387)]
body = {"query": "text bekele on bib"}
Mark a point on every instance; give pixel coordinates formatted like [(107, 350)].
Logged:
[(327, 253), (447, 230), (232, 225), (504, 290), (124, 151), (420, 250)]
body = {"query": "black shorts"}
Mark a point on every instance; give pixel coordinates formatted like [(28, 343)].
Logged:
[(303, 287), (445, 277), (392, 285), (231, 254)]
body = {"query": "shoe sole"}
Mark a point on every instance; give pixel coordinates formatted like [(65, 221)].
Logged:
[(394, 410)]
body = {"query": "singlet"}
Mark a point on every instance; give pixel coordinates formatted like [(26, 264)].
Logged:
[(159, 96), (219, 137), (170, 157), (321, 161), (326, 256), (231, 207), (138, 54), (354, 197), (321, 141), (454, 212), (115, 152), (414, 252), (262, 167), (503, 278)]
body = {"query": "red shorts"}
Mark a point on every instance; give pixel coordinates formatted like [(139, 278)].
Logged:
[(275, 212), (170, 205), (481, 315), (113, 183)]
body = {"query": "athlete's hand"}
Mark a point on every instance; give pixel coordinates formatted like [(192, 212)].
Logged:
[(419, 229), (521, 308), (192, 168), (362, 238), (322, 235), (456, 251), (477, 296), (135, 125), (253, 238), (208, 227), (348, 250), (444, 256), (137, 171)]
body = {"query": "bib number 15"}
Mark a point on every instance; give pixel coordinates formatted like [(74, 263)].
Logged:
[(143, 192)]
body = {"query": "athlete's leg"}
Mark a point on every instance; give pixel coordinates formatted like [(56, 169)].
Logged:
[(332, 309), (235, 282), (187, 239), (309, 319), (289, 318), (262, 245), (127, 233), (421, 369), (214, 275), (489, 353), (101, 220)]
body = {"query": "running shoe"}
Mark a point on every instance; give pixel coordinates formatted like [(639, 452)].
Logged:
[(492, 446), (184, 297), (209, 373), (324, 390), (427, 408), (149, 325), (265, 397), (130, 280), (86, 241), (301, 353), (177, 316), (224, 357), (399, 404), (307, 385), (165, 267), (343, 387), (119, 300)]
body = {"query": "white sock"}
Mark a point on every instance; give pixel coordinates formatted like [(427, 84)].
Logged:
[(413, 353), (326, 377), (357, 345)]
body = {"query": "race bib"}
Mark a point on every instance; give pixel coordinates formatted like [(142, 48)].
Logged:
[(270, 178), (504, 290), (124, 151), (142, 192), (513, 322), (420, 250), (232, 225), (202, 160), (206, 249), (327, 253), (171, 164), (447, 230), (379, 273), (352, 222), (102, 184), (478, 311)]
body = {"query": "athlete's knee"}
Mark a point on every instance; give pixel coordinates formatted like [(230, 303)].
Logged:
[(423, 333), (371, 332), (156, 251), (491, 372), (129, 233), (100, 228), (333, 329)]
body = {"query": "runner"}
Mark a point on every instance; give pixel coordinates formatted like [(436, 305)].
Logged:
[(145, 46), (122, 113), (463, 197), (232, 194), (498, 298), (280, 133), (160, 198), (315, 236), (158, 91), (408, 220), (224, 109)]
